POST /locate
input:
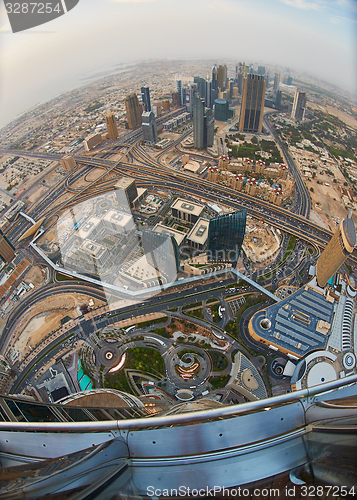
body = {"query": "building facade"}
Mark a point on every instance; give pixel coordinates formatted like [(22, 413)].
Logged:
[(225, 236), (337, 251), (252, 109), (299, 106), (7, 251), (133, 111), (149, 127), (221, 110), (145, 97), (222, 77), (112, 127), (203, 124), (68, 163)]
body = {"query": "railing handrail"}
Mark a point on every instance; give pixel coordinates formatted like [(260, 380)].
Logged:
[(179, 419)]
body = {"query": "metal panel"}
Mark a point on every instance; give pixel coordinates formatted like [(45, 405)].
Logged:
[(51, 445), (217, 471), (217, 435)]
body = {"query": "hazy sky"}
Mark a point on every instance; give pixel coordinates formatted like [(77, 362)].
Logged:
[(316, 36)]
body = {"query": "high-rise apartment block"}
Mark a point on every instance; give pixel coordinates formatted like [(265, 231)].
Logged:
[(299, 106), (149, 127), (176, 100), (145, 96), (68, 163), (252, 108), (92, 141), (111, 126), (166, 104), (337, 251), (7, 251), (203, 124), (133, 111)]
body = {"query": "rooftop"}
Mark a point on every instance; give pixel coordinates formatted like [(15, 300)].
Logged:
[(188, 207), (178, 235), (298, 324), (199, 232)]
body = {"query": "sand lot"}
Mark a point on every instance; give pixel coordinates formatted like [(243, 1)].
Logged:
[(42, 319)]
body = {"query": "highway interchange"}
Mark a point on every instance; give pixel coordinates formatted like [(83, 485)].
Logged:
[(149, 172)]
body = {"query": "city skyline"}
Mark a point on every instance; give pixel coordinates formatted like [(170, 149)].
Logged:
[(43, 62)]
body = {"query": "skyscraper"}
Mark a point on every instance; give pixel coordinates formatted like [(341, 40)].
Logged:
[(209, 101), (240, 82), (162, 253), (222, 77), (133, 111), (225, 236), (261, 70), (149, 127), (192, 88), (336, 252), (7, 251), (276, 82), (221, 110), (203, 124), (278, 99), (299, 105), (68, 162), (252, 109), (178, 88), (111, 125), (201, 86), (230, 88), (176, 99), (145, 96), (215, 78)]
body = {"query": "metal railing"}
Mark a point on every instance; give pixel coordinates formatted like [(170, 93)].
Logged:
[(193, 417)]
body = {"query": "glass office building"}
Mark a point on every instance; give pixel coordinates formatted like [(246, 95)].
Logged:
[(225, 236)]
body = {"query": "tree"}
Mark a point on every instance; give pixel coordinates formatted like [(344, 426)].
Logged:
[(312, 189)]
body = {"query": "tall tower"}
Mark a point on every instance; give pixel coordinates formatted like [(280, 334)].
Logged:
[(145, 96), (133, 111), (178, 88), (192, 89), (203, 124), (111, 125), (215, 78), (7, 251), (252, 109), (222, 77), (209, 102), (299, 105), (198, 121), (149, 127), (276, 82), (339, 247)]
